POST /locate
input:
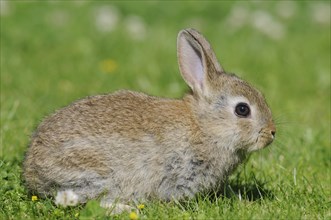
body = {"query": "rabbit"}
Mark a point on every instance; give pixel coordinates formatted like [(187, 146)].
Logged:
[(128, 146)]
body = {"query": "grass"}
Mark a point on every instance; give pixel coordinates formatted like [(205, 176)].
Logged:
[(54, 52)]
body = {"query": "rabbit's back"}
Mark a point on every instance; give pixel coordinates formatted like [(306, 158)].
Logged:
[(125, 113)]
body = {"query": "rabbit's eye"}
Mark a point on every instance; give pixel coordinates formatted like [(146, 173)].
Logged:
[(242, 110)]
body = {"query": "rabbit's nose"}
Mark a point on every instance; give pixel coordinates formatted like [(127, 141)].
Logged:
[(272, 129), (273, 133)]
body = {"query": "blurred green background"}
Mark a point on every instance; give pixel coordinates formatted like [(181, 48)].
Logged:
[(54, 52)]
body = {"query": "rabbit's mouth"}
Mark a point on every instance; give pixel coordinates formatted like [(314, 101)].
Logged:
[(265, 139)]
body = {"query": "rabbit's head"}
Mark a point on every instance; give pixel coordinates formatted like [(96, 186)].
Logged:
[(228, 110)]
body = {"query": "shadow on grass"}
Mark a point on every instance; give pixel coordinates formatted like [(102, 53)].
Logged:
[(237, 188), (229, 193), (252, 191)]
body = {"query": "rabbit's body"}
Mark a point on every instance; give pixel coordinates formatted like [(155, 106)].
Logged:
[(118, 156), (130, 146)]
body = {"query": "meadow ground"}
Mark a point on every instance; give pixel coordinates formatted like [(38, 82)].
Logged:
[(54, 52)]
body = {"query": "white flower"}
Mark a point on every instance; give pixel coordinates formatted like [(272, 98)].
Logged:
[(265, 23), (79, 3), (238, 17), (58, 18), (106, 18), (135, 27), (4, 8), (144, 82), (286, 9), (321, 12)]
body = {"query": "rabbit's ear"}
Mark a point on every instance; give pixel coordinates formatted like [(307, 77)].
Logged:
[(197, 61)]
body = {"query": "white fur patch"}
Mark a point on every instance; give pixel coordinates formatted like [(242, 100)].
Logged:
[(234, 100), (66, 198)]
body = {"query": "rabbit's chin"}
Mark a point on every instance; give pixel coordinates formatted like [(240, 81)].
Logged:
[(261, 143)]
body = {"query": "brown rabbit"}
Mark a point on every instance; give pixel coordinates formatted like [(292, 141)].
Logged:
[(128, 146)]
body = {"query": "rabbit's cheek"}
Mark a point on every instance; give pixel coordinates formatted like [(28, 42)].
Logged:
[(246, 129)]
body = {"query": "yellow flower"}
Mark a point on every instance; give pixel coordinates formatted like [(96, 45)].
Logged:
[(108, 66), (133, 216), (141, 206), (34, 198)]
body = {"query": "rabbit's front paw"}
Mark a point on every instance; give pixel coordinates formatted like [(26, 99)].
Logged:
[(66, 198)]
